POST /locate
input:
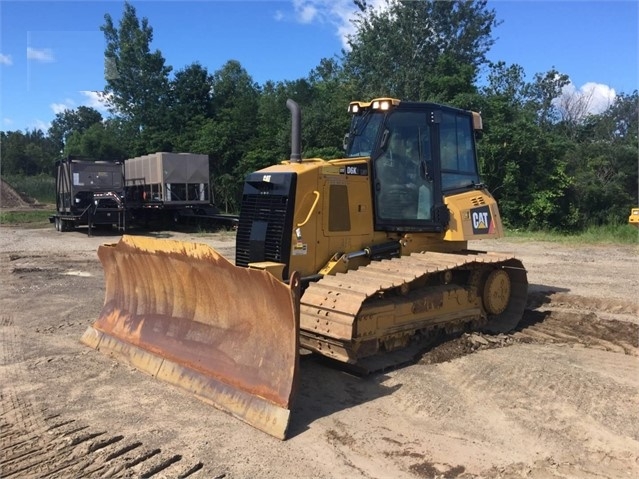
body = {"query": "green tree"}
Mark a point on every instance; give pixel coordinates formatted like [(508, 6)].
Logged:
[(542, 95), (28, 153), (191, 92), (226, 137), (604, 163), (271, 142), (522, 152), (72, 121), (324, 119), (99, 142), (137, 80), (419, 50), (191, 105), (502, 108)]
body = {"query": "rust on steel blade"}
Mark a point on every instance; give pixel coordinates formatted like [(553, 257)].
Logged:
[(183, 313)]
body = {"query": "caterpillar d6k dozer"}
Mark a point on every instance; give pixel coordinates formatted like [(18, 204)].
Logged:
[(377, 240)]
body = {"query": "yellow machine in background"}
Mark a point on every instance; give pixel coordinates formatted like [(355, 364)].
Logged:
[(377, 242), (633, 219)]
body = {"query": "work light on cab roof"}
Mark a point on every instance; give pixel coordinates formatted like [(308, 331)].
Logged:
[(383, 104)]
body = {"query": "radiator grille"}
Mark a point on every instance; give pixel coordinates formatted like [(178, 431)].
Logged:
[(272, 210)]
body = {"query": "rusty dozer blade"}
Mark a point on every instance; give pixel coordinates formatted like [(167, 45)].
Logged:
[(184, 314)]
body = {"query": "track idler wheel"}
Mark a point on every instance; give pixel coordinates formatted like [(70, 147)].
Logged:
[(504, 295), (496, 291)]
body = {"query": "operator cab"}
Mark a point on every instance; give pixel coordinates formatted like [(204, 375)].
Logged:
[(420, 152)]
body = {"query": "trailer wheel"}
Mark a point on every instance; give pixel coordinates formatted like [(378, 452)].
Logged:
[(66, 225), (56, 222)]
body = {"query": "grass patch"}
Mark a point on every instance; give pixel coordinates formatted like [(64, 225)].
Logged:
[(220, 232), (31, 218), (609, 234)]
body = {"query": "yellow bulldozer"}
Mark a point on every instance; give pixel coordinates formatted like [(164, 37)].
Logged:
[(633, 219), (355, 259)]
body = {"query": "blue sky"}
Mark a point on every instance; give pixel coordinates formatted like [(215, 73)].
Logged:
[(51, 52)]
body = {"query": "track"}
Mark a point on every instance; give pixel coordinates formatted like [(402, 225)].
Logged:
[(348, 316)]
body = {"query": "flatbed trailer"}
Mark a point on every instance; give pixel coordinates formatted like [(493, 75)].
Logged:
[(161, 189), (208, 216)]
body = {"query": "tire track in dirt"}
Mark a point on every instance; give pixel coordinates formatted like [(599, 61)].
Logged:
[(543, 405), (43, 444), (565, 319), (565, 421), (21, 424)]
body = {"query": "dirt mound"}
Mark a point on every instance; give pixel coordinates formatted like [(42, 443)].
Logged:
[(10, 198)]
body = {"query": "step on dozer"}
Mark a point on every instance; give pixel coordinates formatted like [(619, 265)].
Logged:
[(184, 314)]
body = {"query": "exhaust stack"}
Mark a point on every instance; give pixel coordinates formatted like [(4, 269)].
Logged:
[(296, 129)]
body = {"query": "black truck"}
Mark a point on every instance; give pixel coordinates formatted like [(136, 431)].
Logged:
[(88, 193)]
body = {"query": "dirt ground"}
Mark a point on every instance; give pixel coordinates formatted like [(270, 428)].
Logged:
[(557, 398)]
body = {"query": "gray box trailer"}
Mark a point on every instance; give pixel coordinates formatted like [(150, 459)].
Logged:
[(172, 187), (171, 179)]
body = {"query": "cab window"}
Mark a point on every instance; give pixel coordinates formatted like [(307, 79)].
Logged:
[(404, 192), (458, 160)]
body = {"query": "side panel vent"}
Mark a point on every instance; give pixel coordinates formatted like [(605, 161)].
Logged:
[(478, 201)]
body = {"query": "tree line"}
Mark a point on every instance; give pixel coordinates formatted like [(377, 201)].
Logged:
[(548, 163)]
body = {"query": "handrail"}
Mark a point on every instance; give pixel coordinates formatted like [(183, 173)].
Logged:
[(317, 195)]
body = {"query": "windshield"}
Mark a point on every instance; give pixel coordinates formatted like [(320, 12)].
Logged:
[(363, 134)]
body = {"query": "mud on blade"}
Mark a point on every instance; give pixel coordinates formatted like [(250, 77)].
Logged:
[(183, 313)]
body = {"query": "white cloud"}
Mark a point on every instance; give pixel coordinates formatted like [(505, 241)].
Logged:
[(306, 13), (68, 104), (5, 59), (93, 99), (601, 96), (44, 55), (7, 121), (96, 99), (338, 13), (590, 99)]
